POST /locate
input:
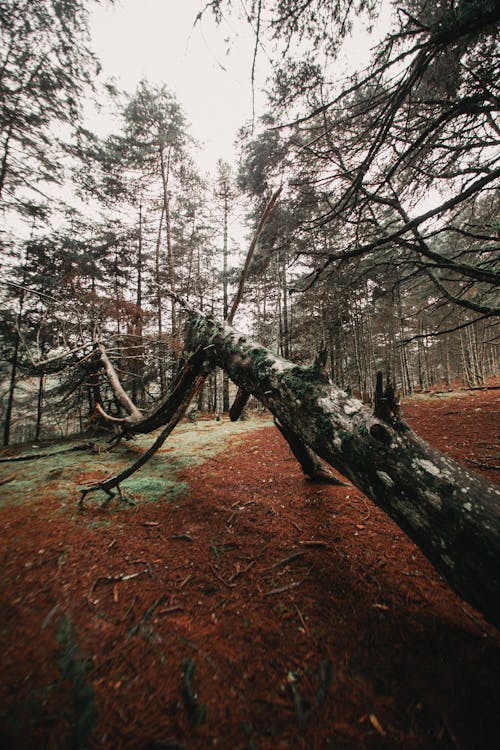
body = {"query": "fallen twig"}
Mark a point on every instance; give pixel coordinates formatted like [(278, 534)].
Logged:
[(168, 610), (219, 578), (301, 618), (112, 579), (289, 586), (146, 616), (241, 572), (288, 559), (48, 618), (184, 536), (46, 454), (221, 603), (9, 478)]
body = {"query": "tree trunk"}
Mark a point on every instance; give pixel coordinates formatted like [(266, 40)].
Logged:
[(15, 356), (39, 405), (165, 175), (452, 514), (136, 328), (225, 302), (161, 365), (5, 155), (12, 387)]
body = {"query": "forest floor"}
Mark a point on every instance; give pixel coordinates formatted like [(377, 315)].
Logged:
[(237, 605)]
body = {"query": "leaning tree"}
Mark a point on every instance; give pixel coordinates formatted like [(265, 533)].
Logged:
[(452, 514)]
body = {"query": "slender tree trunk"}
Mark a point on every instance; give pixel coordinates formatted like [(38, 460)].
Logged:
[(15, 355), (284, 292), (447, 363), (39, 405), (356, 344), (116, 285), (94, 392), (403, 359), (137, 350), (159, 301), (165, 174), (10, 393), (225, 302), (189, 281), (5, 157), (466, 363)]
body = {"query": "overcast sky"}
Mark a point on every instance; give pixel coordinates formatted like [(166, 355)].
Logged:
[(207, 67), (211, 78)]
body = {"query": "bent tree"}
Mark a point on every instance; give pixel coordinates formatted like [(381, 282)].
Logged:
[(452, 514)]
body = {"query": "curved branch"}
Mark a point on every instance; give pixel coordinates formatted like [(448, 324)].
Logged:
[(114, 381), (107, 417), (179, 404)]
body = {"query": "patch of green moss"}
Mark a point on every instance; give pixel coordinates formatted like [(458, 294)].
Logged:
[(302, 381), (60, 477), (324, 427), (152, 489), (259, 356)]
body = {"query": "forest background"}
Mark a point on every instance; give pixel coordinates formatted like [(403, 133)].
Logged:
[(383, 249)]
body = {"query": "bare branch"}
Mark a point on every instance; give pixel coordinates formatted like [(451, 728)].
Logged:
[(265, 216)]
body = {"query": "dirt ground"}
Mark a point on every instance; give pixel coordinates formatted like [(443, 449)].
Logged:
[(245, 608)]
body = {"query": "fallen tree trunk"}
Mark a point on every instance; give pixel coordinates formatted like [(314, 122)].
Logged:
[(452, 514)]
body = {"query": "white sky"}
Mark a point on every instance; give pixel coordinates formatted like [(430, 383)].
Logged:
[(207, 67), (155, 39)]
